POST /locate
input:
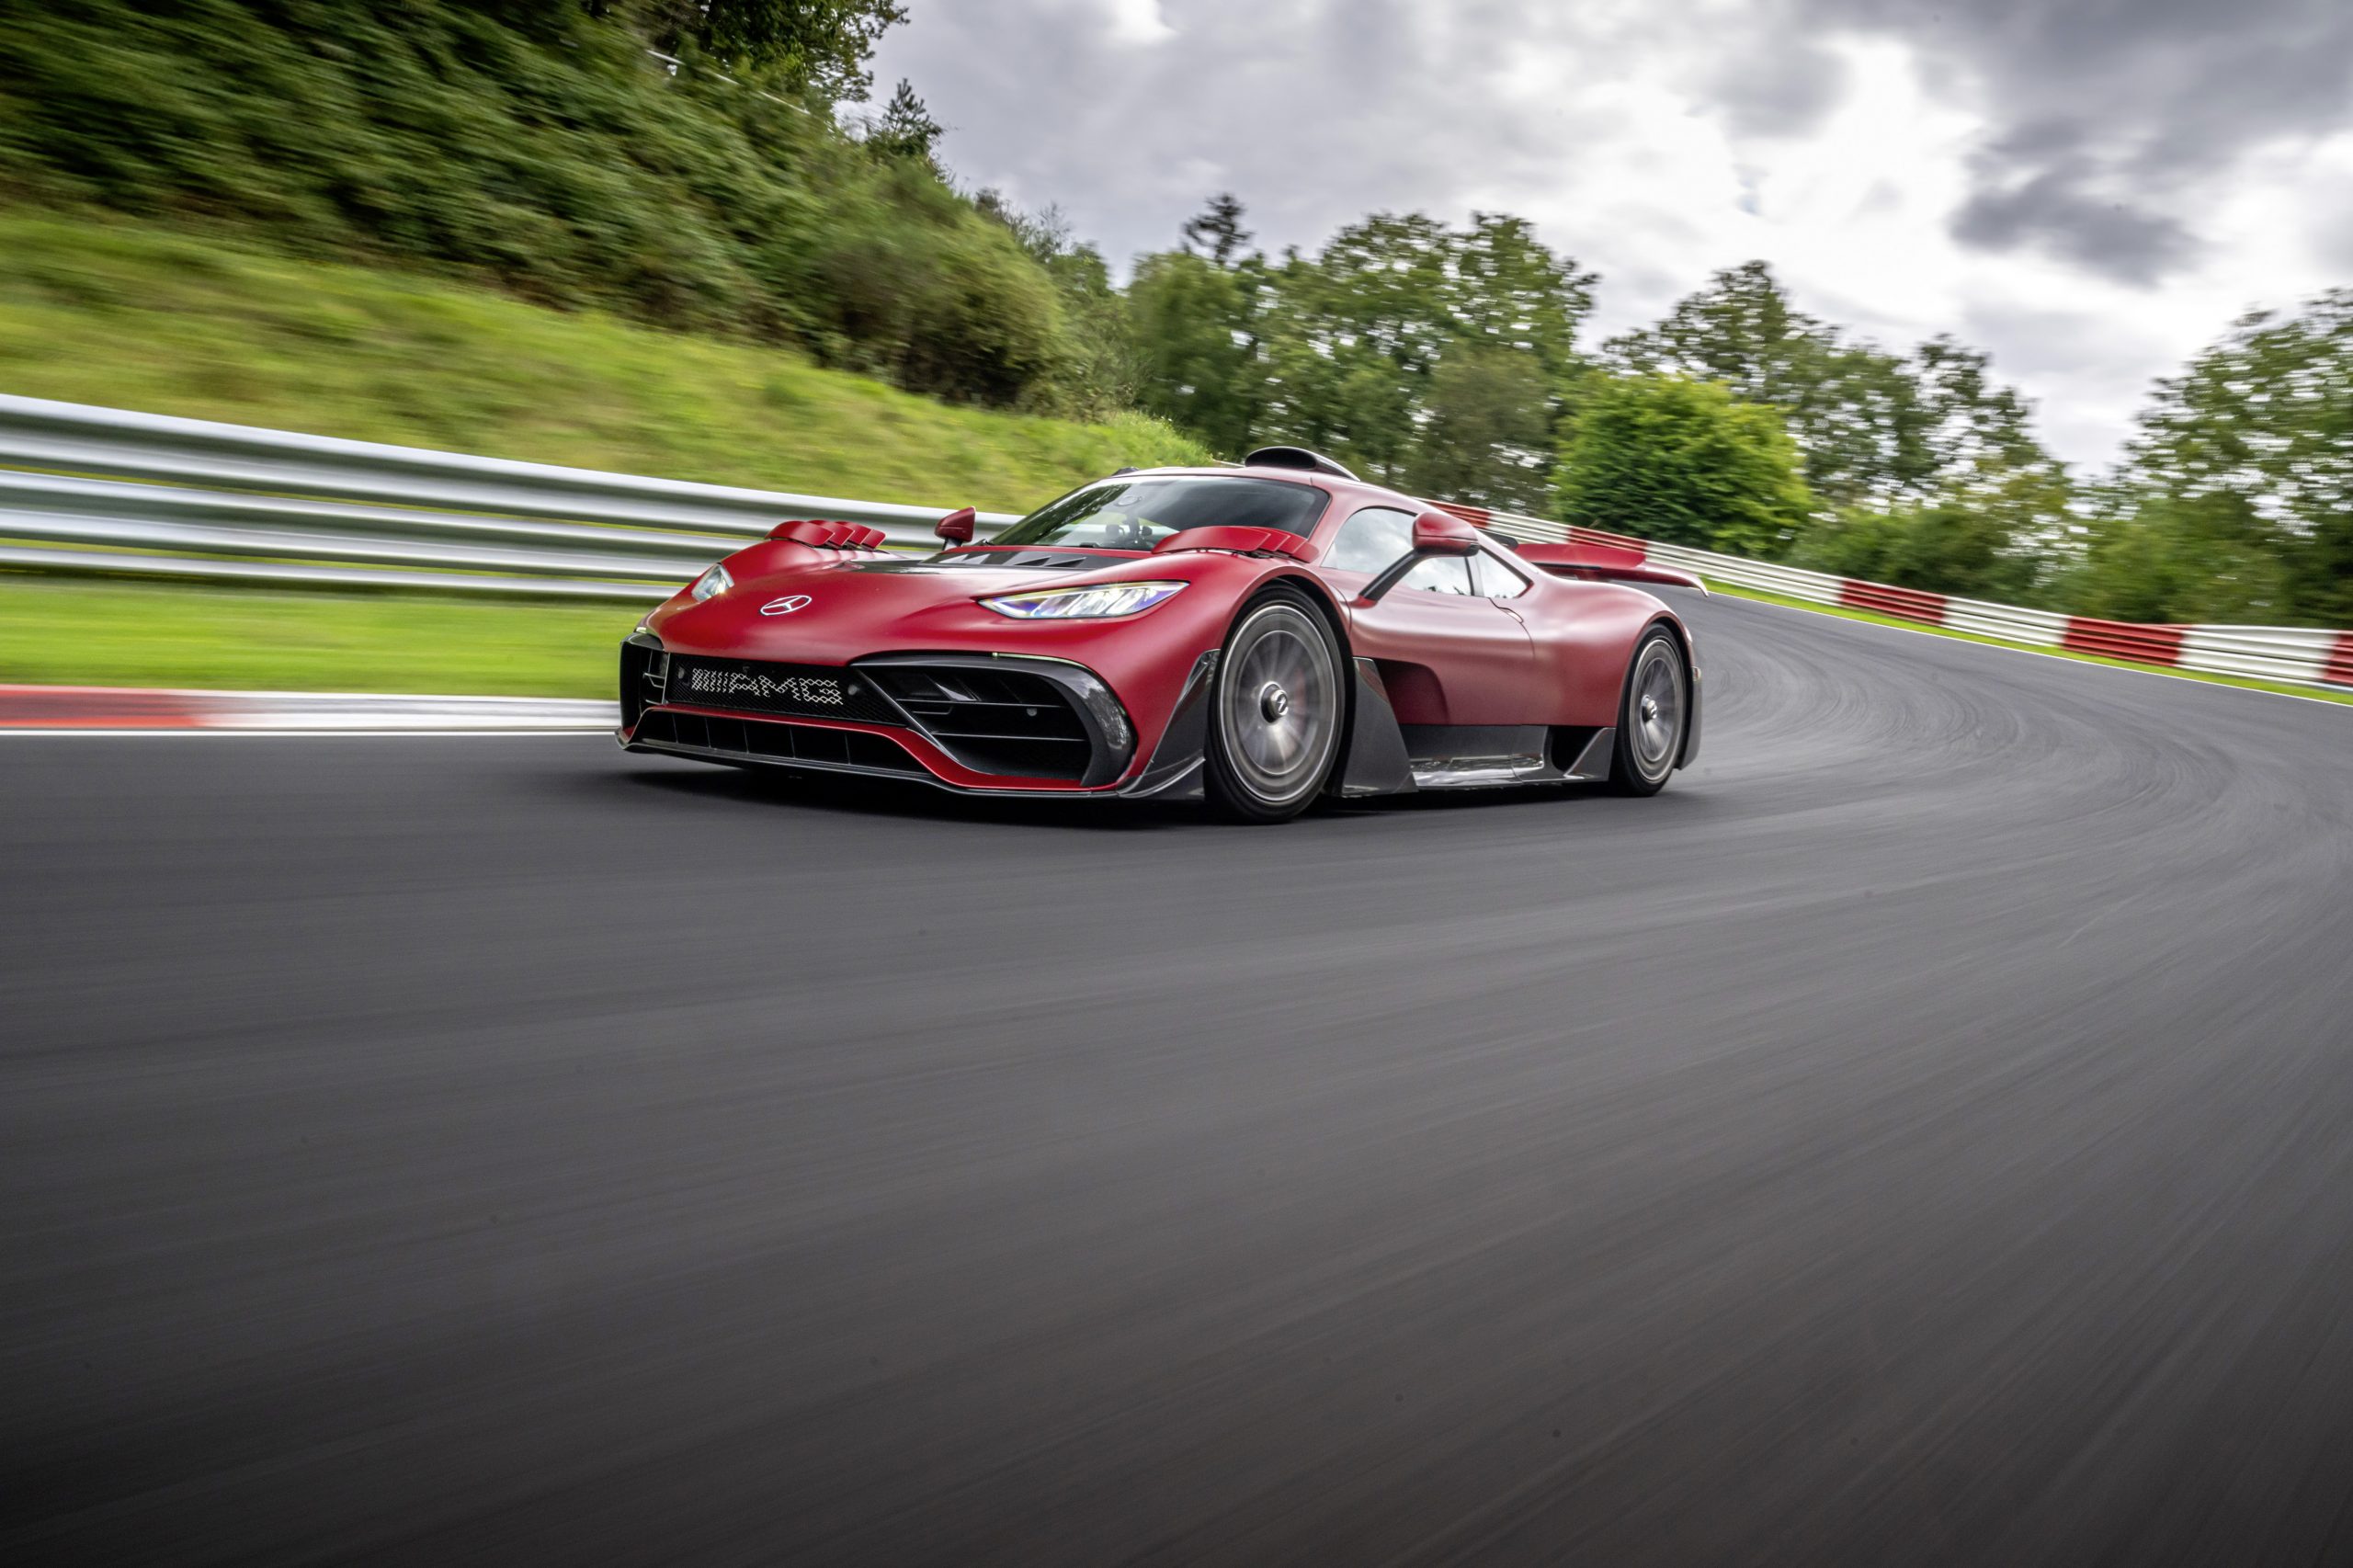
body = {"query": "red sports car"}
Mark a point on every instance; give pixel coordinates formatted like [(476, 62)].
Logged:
[(1259, 636)]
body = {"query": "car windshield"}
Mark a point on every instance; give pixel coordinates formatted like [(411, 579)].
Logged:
[(1137, 514)]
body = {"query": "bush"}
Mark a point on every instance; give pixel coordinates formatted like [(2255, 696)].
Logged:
[(1683, 462), (1951, 548), (138, 316), (530, 143)]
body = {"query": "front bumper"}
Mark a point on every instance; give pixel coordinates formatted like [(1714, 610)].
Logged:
[(978, 724)]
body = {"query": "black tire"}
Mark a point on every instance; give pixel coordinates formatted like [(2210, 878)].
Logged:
[(1653, 715), (1278, 712)]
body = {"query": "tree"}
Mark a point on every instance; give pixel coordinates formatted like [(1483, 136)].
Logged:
[(1351, 337), (907, 129), (819, 47), (1946, 549), (1197, 353), (1359, 338), (1509, 291), (1927, 467), (1416, 352), (1683, 461), (1218, 228), (1488, 433), (2241, 478), (1100, 375), (1877, 430)]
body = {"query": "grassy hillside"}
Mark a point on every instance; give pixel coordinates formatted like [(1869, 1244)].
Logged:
[(135, 317), (536, 144)]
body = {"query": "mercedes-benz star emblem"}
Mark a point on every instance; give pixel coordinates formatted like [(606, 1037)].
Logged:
[(786, 605)]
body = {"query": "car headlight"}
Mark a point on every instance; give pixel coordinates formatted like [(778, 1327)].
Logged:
[(1074, 604), (715, 581)]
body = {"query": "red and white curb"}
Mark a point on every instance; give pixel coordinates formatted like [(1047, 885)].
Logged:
[(97, 710), (2296, 656)]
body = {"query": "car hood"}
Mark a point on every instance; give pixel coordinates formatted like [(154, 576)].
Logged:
[(832, 612)]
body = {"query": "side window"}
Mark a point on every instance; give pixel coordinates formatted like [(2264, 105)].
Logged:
[(1371, 540), (1440, 574), (1497, 581)]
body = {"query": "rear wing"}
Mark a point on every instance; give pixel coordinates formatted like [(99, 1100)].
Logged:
[(1605, 563)]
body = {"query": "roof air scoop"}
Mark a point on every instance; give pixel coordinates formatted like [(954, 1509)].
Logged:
[(1295, 456)]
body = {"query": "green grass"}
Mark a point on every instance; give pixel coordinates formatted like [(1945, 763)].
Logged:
[(2323, 693), (62, 631), (169, 323), (66, 631)]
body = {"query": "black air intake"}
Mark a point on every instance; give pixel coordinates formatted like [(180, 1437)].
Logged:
[(644, 667), (762, 740), (1006, 722)]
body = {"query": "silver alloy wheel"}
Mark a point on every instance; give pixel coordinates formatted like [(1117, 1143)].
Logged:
[(1656, 712), (1280, 707)]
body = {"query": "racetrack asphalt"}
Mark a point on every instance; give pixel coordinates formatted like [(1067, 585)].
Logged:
[(1924, 1134)]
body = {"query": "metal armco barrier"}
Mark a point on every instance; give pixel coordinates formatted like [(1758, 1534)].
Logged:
[(102, 491), (2292, 654)]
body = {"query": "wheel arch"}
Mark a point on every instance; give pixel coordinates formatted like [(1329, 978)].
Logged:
[(1316, 593), (1320, 595), (1689, 650), (1300, 597)]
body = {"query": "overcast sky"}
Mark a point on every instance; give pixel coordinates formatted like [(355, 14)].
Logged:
[(2089, 190)]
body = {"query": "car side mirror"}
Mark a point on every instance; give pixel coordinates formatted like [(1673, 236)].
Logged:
[(956, 528), (1443, 533), (1435, 533)]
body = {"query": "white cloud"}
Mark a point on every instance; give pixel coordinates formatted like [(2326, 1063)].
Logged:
[(1137, 21)]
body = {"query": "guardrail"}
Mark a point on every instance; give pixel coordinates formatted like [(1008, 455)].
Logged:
[(100, 489), (2293, 654), (103, 490)]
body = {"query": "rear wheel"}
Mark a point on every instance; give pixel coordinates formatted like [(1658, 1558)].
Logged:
[(1651, 715), (1274, 727)]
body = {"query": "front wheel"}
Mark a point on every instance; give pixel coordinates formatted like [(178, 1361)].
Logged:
[(1653, 715), (1274, 727)]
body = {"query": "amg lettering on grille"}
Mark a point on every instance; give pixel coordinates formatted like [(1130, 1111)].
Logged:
[(812, 690)]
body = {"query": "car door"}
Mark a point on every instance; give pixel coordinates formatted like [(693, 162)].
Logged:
[(1449, 653)]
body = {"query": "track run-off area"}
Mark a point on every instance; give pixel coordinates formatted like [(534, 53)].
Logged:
[(1923, 1135)]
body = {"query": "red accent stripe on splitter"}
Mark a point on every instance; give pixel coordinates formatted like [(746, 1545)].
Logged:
[(2124, 639)]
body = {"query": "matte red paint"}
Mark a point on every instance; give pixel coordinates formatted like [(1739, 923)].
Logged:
[(1639, 547), (1443, 533), (1555, 654), (1244, 541), (1447, 658), (820, 533), (1604, 562)]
